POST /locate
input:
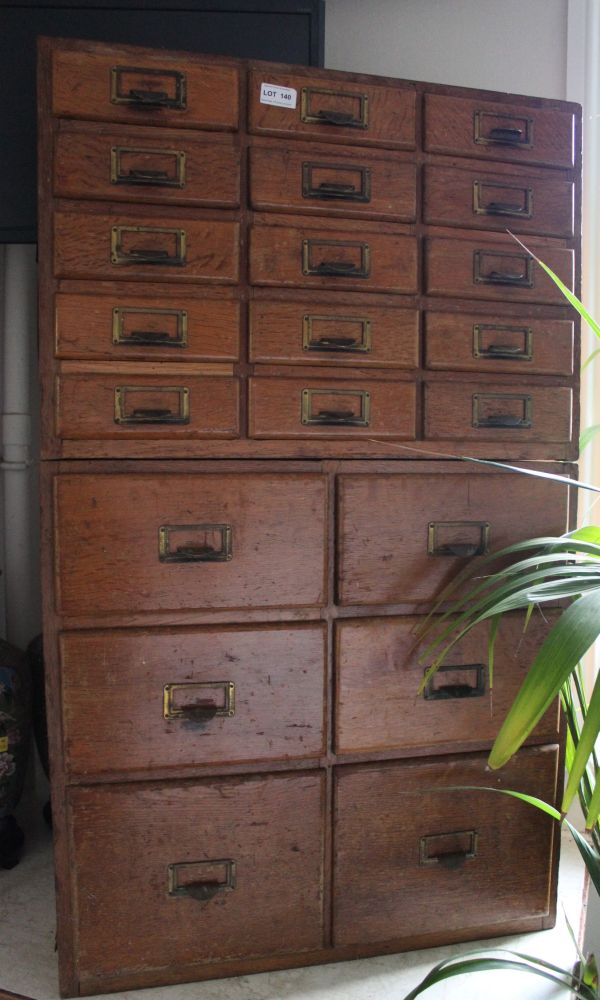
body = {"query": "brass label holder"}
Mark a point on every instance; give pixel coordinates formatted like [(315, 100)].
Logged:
[(335, 418), (151, 414), (345, 344), (143, 256), (500, 419), (196, 879), (336, 190), (171, 710), (203, 550), (503, 208), (145, 95), (342, 119), (458, 548), (503, 351), (506, 133), (140, 177), (149, 338)]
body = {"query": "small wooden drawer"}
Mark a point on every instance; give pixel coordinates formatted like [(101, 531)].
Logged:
[(197, 858), (144, 542), (498, 131), (480, 270), (342, 258), (322, 181), (134, 247), (146, 166), (495, 411), (180, 698), (355, 334), (330, 108), (498, 343), (485, 859), (378, 674), (130, 404), (122, 327), (402, 537), (481, 200), (308, 408), (150, 88)]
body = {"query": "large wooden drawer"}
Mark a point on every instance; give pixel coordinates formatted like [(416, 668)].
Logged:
[(302, 330), (497, 411), (487, 344), (378, 673), (403, 536), (149, 542), (482, 200), (132, 404), (414, 859), (146, 165), (136, 700), (477, 269), (150, 88), (312, 407), (129, 247), (322, 181), (123, 327), (329, 108), (341, 258), (492, 130), (199, 872)]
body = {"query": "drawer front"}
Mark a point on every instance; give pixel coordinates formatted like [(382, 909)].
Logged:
[(197, 858), (495, 411), (322, 181), (503, 271), (354, 334), (151, 542), (378, 674), (499, 131), (128, 405), (484, 859), (163, 90), (121, 327), (189, 697), (336, 259), (308, 408), (330, 109), (136, 166), (480, 200), (495, 343), (403, 537), (130, 247)]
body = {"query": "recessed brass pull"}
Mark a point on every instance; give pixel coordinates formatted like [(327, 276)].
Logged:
[(458, 539), (484, 416), (186, 879), (147, 176), (143, 336), (148, 255), (503, 208), (503, 351), (334, 116), (466, 680), (336, 267), (450, 850), (152, 414), (511, 136), (207, 543), (329, 187), (133, 85), (189, 701), (337, 343), (489, 274), (336, 416)]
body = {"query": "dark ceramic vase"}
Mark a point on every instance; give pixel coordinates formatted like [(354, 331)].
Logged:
[(15, 736)]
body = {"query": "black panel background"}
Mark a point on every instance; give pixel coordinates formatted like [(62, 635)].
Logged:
[(289, 31)]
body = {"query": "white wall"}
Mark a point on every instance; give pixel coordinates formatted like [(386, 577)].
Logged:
[(514, 45)]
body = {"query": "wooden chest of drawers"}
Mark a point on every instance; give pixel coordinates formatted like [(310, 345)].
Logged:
[(277, 305)]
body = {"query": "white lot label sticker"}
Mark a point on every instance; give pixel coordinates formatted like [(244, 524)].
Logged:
[(283, 97)]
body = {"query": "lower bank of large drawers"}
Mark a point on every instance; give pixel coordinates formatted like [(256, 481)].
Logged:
[(189, 861)]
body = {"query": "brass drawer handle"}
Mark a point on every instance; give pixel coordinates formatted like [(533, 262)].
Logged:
[(199, 543), (522, 279), (336, 190), (128, 411), (337, 268), (149, 255), (334, 116), (522, 351), (329, 417), (133, 85), (454, 538), (468, 681), (185, 879), (521, 420), (450, 850), (140, 176), (202, 708), (502, 130), (520, 209), (150, 338), (326, 344)]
